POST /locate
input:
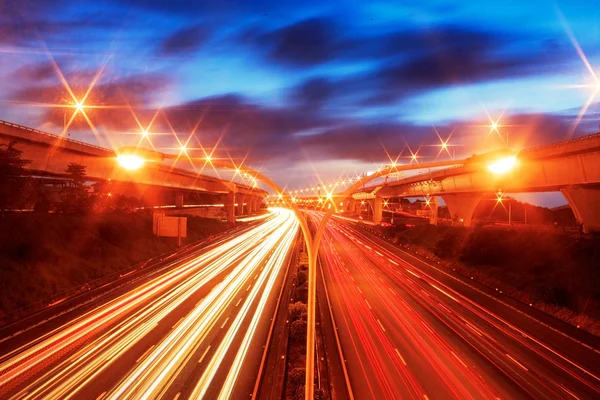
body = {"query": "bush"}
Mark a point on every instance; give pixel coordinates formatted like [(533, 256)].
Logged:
[(296, 378), (298, 310), (298, 331), (301, 278)]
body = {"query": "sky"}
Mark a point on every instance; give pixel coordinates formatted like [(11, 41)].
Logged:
[(304, 91)]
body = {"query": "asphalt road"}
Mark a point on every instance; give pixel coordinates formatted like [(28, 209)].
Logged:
[(194, 328), (408, 330)]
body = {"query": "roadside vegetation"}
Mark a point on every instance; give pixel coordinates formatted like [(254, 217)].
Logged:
[(297, 317), (57, 236), (554, 271)]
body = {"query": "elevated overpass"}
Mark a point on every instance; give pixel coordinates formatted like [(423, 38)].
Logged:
[(571, 167), (51, 154)]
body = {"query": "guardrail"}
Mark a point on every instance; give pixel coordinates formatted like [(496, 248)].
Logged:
[(57, 137), (562, 143)]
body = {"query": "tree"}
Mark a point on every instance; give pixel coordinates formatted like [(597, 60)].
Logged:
[(75, 196), (12, 176)]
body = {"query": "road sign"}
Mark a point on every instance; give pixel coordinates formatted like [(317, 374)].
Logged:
[(169, 226)]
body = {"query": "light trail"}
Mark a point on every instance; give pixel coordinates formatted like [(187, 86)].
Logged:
[(73, 358), (451, 346)]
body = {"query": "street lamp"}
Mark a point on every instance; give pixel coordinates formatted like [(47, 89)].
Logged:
[(130, 161), (503, 165)]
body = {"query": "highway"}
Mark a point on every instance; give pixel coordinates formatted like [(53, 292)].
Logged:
[(405, 333), (195, 328)]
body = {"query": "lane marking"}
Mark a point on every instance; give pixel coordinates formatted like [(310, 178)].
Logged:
[(516, 362), (238, 302), (203, 354), (392, 261), (177, 323), (359, 291), (368, 304), (101, 395), (568, 391), (255, 276), (447, 294), (412, 273), (401, 358), (379, 253), (474, 329), (224, 323), (177, 396), (145, 354), (248, 288), (459, 359), (379, 322)]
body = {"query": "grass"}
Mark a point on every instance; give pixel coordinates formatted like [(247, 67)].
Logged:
[(42, 255)]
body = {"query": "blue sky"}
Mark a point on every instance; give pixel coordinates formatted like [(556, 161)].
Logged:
[(302, 86)]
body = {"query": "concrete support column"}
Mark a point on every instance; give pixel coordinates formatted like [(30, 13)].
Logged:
[(351, 205), (240, 204), (461, 207), (377, 210), (179, 200), (585, 203), (433, 206), (230, 207), (254, 201)]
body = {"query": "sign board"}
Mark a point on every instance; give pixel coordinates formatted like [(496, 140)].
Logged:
[(169, 226), (424, 213)]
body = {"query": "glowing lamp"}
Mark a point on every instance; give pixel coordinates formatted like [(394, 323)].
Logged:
[(130, 161), (502, 166)]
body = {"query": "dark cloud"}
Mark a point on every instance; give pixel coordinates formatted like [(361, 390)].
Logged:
[(35, 72), (268, 131), (184, 41), (314, 93), (405, 62), (116, 96), (305, 43)]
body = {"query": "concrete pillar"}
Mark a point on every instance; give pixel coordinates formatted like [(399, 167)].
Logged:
[(585, 203), (230, 206), (461, 207), (179, 200), (351, 205), (253, 204), (240, 198), (433, 206), (377, 210)]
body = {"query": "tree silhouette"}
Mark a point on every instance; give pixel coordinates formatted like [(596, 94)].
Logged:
[(12, 176), (75, 197)]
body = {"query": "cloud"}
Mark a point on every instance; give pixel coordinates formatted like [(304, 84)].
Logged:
[(305, 43), (184, 41), (314, 93), (35, 72), (134, 90)]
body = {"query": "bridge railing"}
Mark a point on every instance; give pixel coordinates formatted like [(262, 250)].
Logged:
[(562, 143), (57, 137)]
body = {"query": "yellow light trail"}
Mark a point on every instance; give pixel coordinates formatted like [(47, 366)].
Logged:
[(70, 360)]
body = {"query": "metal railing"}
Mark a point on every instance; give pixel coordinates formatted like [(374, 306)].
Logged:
[(561, 143), (51, 135)]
